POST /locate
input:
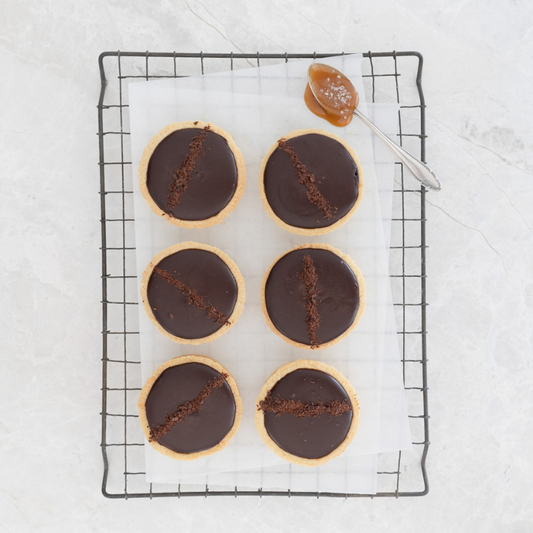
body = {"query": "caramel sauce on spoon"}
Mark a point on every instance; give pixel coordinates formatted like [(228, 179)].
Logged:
[(330, 95)]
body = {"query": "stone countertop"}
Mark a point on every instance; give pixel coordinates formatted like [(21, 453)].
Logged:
[(477, 81)]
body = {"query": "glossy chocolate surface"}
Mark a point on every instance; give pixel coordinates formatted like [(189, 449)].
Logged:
[(338, 293), (200, 430), (336, 174), (213, 179), (311, 437), (209, 276)]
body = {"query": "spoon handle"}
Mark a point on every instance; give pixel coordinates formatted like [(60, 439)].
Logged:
[(418, 169)]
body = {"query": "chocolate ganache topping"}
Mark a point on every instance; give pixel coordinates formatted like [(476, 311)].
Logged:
[(311, 296), (311, 181), (307, 413), (192, 174), (192, 293), (190, 408)]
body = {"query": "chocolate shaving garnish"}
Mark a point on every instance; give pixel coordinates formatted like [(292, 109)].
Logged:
[(299, 409), (182, 176), (194, 298), (309, 276), (185, 409), (306, 178)]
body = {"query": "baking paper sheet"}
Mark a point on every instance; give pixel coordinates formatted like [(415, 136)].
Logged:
[(258, 106)]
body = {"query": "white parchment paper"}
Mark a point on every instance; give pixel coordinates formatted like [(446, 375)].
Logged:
[(258, 106)]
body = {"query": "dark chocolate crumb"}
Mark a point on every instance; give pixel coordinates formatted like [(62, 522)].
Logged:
[(303, 410), (185, 409), (306, 178), (195, 122), (194, 298), (309, 276), (182, 176)]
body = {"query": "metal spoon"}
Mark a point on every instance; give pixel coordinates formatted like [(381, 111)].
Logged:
[(418, 169)]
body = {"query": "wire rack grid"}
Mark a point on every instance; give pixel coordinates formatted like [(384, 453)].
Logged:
[(388, 77)]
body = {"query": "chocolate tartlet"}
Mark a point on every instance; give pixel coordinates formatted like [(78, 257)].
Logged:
[(313, 296), (192, 174), (192, 292), (190, 407), (307, 412), (311, 182)]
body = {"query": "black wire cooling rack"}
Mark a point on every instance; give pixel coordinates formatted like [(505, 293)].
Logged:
[(389, 77)]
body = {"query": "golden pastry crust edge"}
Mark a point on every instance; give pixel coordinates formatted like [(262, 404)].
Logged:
[(184, 359), (241, 291), (281, 372), (239, 162), (362, 296), (311, 231)]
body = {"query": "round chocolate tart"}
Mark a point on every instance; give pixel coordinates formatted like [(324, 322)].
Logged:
[(307, 412), (190, 407), (313, 296), (192, 174), (192, 292), (311, 182)]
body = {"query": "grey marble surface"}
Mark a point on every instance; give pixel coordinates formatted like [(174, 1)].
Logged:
[(477, 80)]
